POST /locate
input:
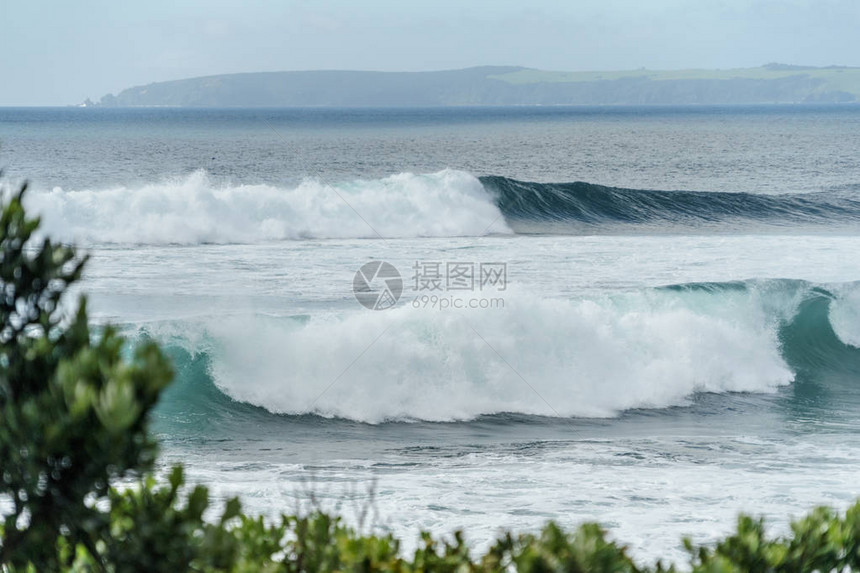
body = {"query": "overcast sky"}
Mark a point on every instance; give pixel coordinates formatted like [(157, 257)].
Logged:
[(57, 53)]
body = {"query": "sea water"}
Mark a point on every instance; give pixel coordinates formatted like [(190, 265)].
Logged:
[(644, 317)]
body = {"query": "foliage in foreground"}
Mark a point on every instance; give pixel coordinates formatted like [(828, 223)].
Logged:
[(73, 419), (73, 410), (156, 529)]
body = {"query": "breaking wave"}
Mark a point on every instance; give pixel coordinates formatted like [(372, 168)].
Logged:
[(194, 210), (562, 358)]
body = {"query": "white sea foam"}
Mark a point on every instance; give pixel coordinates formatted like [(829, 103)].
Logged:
[(542, 357), (845, 313), (194, 209)]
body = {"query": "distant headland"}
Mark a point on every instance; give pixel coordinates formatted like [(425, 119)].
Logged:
[(501, 85)]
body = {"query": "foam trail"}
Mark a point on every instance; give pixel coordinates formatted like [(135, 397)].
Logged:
[(578, 358), (193, 210)]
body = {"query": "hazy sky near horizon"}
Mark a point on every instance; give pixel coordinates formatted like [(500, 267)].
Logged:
[(58, 53)]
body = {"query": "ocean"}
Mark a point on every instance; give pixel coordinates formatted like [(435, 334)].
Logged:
[(481, 318)]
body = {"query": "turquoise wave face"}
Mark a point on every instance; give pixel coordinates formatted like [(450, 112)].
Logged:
[(808, 340), (654, 350), (578, 206)]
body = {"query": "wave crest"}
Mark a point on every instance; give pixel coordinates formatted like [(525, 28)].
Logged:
[(572, 208)]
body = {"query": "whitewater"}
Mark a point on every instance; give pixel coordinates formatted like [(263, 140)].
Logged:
[(194, 210), (676, 338)]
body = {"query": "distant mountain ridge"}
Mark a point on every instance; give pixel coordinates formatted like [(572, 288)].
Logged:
[(501, 85)]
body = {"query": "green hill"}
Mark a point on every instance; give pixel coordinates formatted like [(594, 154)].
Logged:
[(495, 85)]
